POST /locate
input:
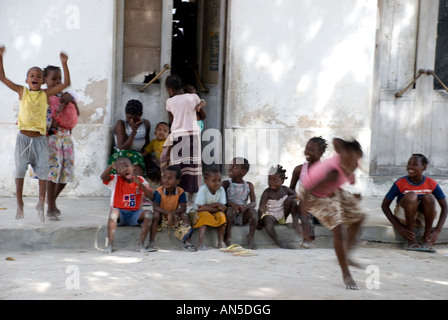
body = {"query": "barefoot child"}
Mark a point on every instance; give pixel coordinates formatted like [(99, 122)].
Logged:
[(170, 201), (239, 211), (32, 145), (276, 203), (62, 118), (336, 209), (126, 199), (210, 207), (416, 205), (315, 148)]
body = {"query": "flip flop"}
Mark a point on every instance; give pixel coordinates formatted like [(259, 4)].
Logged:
[(190, 248), (417, 247), (245, 253), (233, 248)]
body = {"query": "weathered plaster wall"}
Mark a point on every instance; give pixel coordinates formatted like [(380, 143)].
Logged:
[(34, 34), (301, 68)]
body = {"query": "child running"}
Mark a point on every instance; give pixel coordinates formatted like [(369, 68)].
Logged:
[(336, 209), (210, 207), (239, 211), (32, 145), (62, 118), (416, 205), (127, 192), (170, 201), (276, 203)]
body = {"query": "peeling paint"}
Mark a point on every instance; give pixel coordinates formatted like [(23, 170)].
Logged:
[(94, 103)]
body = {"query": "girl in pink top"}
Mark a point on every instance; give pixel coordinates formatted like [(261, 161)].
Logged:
[(338, 210), (184, 143)]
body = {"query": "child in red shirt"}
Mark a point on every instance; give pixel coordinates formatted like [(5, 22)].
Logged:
[(126, 199), (416, 205)]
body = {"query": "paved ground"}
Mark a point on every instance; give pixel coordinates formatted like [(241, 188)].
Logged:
[(63, 260)]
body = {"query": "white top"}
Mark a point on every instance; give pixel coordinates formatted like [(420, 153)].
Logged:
[(183, 108)]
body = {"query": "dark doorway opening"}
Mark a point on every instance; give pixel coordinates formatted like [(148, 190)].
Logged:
[(185, 25)]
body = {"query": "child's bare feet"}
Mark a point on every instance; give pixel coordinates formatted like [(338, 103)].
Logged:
[(40, 211), (20, 214), (52, 215), (350, 284)]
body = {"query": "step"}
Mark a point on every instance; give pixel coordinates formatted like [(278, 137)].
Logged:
[(83, 227)]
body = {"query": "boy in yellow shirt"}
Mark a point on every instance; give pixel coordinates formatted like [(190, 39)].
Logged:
[(153, 151), (31, 144)]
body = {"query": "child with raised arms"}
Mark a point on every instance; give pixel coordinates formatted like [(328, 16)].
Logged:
[(322, 195), (170, 201), (31, 144), (126, 199), (416, 205), (241, 201)]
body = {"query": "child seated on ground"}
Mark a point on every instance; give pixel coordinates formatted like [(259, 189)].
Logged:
[(210, 207), (314, 150), (416, 205), (276, 203), (322, 195), (238, 191), (170, 201), (153, 151), (126, 199)]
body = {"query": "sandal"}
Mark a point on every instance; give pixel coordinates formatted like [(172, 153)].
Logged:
[(190, 248), (233, 248), (421, 248), (245, 253)]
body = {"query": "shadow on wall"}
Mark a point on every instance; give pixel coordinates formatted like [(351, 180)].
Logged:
[(306, 71)]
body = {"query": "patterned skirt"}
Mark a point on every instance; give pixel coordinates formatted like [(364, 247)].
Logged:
[(185, 152), (62, 157)]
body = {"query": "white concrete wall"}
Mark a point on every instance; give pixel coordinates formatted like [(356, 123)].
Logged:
[(304, 67), (34, 34), (299, 67)]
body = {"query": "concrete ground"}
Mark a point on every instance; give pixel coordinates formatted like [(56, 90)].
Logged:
[(64, 260)]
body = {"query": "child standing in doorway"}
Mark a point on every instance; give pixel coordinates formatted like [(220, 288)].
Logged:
[(210, 207), (184, 143), (337, 209), (32, 145), (63, 117), (416, 205), (239, 193), (276, 203)]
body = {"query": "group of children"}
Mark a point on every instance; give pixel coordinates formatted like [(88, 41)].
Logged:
[(223, 204), (45, 120), (218, 204)]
